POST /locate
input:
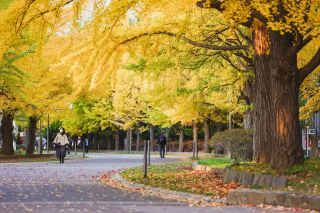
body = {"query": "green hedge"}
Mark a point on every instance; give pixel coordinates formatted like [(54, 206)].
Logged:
[(238, 142)]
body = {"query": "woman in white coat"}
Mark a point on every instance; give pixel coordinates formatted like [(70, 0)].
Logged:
[(60, 143)]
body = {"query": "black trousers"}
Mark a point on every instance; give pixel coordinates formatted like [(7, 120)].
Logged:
[(162, 150)]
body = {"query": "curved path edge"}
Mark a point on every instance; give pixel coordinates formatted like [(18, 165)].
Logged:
[(185, 197)]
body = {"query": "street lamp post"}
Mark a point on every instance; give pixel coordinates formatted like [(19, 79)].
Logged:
[(83, 152), (48, 142), (40, 136)]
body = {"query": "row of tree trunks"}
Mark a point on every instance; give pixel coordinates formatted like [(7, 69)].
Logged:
[(6, 131)]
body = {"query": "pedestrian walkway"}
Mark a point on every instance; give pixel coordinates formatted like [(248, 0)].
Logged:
[(74, 187)]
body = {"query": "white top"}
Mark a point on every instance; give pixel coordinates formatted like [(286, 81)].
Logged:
[(61, 139)]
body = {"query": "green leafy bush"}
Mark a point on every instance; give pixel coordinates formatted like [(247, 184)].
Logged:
[(238, 142)]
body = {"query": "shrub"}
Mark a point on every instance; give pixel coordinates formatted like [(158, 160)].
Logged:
[(238, 142)]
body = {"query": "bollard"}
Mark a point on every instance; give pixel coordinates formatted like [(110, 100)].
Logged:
[(145, 160)]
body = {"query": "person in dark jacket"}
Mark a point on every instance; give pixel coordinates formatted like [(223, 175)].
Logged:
[(162, 141)]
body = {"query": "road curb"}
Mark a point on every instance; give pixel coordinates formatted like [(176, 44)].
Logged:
[(275, 198)]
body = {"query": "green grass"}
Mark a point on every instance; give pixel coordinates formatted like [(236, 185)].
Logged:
[(180, 177), (218, 163)]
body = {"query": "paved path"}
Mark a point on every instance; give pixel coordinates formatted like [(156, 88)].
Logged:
[(71, 187)]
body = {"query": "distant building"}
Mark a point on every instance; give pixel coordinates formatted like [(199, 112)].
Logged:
[(312, 142)]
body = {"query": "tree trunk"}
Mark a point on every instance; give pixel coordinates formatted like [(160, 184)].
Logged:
[(276, 124), (109, 142), (249, 97), (126, 141), (151, 138), (195, 140), (206, 136), (130, 140), (181, 139), (6, 131), (138, 140), (248, 119), (32, 134), (287, 148), (117, 140), (263, 117), (167, 134)]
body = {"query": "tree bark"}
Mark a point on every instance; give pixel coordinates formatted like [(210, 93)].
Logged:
[(167, 134), (181, 139), (276, 128), (127, 139), (138, 140), (117, 140), (287, 148), (206, 136), (130, 140), (6, 131), (195, 140), (248, 119), (32, 134), (249, 97), (110, 138), (151, 138)]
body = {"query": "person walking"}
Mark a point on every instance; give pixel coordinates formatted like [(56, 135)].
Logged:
[(60, 143), (162, 141)]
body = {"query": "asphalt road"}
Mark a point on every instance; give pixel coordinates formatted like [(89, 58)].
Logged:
[(73, 187)]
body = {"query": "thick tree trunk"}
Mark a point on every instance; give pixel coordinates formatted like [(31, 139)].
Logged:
[(263, 117), (151, 138), (32, 128), (6, 131), (263, 113), (138, 140), (117, 140), (276, 124), (206, 136), (287, 148), (181, 139), (195, 140)]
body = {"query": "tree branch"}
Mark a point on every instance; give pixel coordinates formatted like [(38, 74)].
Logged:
[(189, 41), (216, 4), (309, 67), (43, 13)]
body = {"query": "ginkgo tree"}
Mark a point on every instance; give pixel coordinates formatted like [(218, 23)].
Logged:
[(279, 30), (25, 27)]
